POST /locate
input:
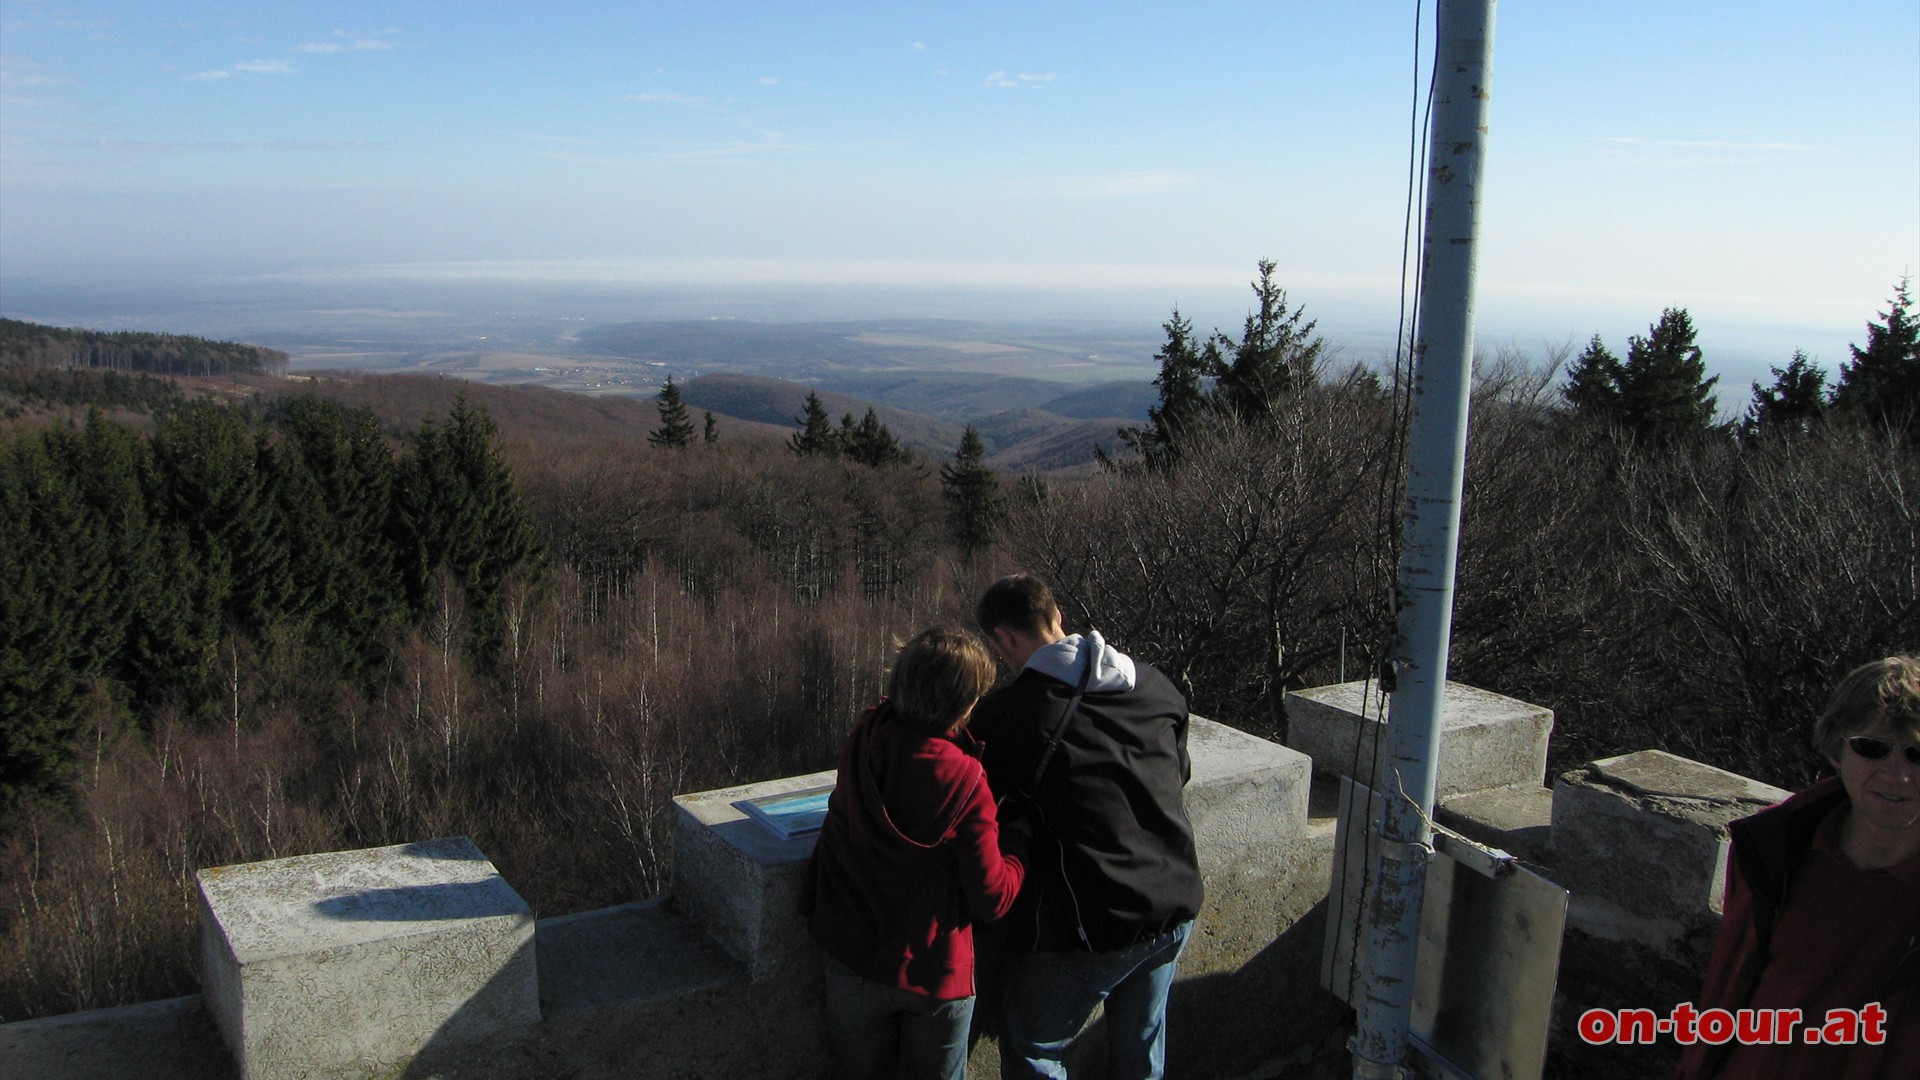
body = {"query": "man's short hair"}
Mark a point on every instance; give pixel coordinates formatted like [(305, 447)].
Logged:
[(938, 676), (1017, 602), (1886, 690)]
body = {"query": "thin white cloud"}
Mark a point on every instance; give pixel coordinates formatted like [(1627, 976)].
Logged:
[(650, 97), (211, 75), (1000, 80), (919, 46), (769, 80), (351, 43), (265, 67)]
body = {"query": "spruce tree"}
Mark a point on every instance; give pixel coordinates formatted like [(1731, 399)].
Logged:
[(56, 631), (676, 428), (975, 506), (1795, 401), (816, 435), (1593, 384), (712, 433), (337, 495), (1183, 365), (1881, 384), (1665, 393), (458, 512), (1276, 354), (870, 443)]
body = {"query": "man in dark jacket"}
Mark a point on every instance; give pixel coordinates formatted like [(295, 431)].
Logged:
[(1088, 750)]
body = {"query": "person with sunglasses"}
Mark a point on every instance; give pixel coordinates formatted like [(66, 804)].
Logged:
[(1822, 907)]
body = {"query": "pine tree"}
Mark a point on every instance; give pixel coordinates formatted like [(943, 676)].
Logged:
[(870, 443), (56, 631), (1276, 354), (337, 495), (712, 433), (212, 489), (975, 507), (458, 512), (1665, 393), (1593, 384), (1795, 401), (676, 428), (1882, 382), (1183, 365), (816, 436)]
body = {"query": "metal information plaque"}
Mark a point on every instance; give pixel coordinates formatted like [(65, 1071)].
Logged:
[(1489, 947)]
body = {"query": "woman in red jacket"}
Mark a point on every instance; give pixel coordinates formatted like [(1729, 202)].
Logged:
[(908, 859), (1820, 937)]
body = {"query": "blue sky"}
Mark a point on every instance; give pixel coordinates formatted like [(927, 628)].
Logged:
[(1757, 163)]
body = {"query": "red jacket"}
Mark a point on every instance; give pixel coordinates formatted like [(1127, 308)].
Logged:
[(1802, 928), (908, 858)]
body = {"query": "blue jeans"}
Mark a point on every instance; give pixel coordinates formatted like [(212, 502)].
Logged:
[(875, 1029), (1051, 994)]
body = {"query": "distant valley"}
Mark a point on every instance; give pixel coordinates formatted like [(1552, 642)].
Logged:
[(1043, 396)]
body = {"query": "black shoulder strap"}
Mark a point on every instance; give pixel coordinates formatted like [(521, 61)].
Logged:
[(1060, 727)]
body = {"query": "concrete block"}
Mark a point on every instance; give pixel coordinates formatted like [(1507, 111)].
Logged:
[(1246, 788), (1487, 740), (354, 962), (739, 882), (1517, 819), (1641, 840)]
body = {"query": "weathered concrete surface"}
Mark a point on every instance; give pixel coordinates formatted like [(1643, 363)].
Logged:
[(158, 1040), (739, 882), (1517, 818), (1487, 740), (1641, 839), (352, 963)]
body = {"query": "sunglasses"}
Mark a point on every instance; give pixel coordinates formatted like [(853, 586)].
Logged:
[(1872, 749)]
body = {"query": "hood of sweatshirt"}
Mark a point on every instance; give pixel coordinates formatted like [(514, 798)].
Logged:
[(912, 787), (1065, 659)]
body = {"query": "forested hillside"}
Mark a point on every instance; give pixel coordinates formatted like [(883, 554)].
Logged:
[(33, 345), (293, 624)]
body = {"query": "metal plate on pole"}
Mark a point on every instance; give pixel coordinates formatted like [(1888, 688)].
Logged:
[(1489, 949)]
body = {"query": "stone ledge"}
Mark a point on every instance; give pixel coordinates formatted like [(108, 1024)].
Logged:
[(157, 1040)]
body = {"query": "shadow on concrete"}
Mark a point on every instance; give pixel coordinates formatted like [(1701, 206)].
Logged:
[(494, 1026), (424, 903)]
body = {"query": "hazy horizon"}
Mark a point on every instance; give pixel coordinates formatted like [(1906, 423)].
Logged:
[(238, 165)]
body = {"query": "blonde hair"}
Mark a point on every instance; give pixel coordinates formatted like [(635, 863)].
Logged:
[(1882, 690), (938, 676)]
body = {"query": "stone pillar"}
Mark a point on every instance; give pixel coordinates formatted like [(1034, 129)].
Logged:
[(356, 962), (1641, 839), (738, 881), (1487, 740)]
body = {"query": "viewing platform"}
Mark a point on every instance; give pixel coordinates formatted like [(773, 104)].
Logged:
[(420, 961)]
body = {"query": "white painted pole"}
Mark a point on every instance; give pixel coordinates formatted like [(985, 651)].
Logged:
[(1443, 356)]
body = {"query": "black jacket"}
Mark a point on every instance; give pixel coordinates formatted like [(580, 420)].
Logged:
[(1113, 860)]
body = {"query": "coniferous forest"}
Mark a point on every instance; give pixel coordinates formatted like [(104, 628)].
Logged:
[(240, 630)]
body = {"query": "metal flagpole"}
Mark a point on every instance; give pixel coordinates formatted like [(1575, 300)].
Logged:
[(1430, 533)]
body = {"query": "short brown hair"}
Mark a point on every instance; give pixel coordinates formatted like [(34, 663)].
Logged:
[(1017, 602), (1882, 690), (938, 676)]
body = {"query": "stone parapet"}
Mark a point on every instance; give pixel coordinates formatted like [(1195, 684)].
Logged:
[(1487, 740), (350, 963), (1641, 839)]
